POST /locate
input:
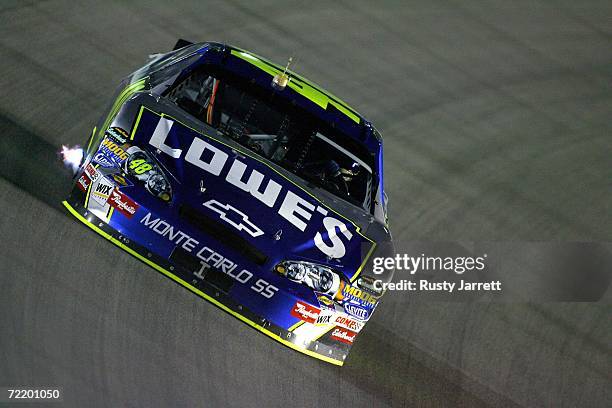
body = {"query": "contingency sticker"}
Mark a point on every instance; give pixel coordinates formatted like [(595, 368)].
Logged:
[(97, 199)]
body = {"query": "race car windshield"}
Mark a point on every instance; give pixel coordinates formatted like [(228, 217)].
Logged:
[(265, 123)]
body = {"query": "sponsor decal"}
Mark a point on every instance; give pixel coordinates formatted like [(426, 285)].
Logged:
[(325, 301), (101, 191), (122, 203), (324, 317), (83, 182), (356, 311), (143, 168), (110, 154), (122, 181), (113, 150), (343, 335), (354, 293), (118, 134), (103, 160), (305, 312), (334, 236), (92, 172), (348, 323), (140, 167), (327, 317), (234, 217)]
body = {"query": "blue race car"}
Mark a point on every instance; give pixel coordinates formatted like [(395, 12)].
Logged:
[(248, 185)]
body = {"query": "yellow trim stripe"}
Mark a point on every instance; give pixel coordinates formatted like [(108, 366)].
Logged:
[(88, 193), (123, 96), (295, 326), (136, 123), (195, 290), (356, 275), (91, 138), (299, 84)]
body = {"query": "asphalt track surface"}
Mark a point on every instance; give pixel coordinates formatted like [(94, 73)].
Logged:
[(496, 117)]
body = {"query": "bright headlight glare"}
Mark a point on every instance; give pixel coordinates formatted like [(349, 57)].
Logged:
[(296, 271), (157, 184), (317, 277)]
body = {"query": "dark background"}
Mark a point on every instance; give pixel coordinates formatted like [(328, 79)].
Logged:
[(496, 117)]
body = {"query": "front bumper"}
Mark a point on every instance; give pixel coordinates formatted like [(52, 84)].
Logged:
[(331, 352)]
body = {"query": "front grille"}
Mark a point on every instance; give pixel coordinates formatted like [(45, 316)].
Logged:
[(219, 280), (187, 261), (222, 233)]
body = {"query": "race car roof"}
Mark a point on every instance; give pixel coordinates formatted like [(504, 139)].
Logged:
[(299, 90)]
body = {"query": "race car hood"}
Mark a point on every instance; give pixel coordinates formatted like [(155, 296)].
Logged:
[(247, 202)]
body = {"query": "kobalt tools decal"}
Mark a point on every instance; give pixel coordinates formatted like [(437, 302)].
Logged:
[(331, 238), (234, 217), (118, 134)]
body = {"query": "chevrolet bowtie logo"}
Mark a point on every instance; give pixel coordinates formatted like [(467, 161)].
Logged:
[(234, 217)]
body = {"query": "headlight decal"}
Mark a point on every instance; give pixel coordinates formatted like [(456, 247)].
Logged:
[(332, 291), (317, 277), (140, 165)]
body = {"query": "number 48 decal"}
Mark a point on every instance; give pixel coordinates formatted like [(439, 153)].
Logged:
[(140, 166)]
